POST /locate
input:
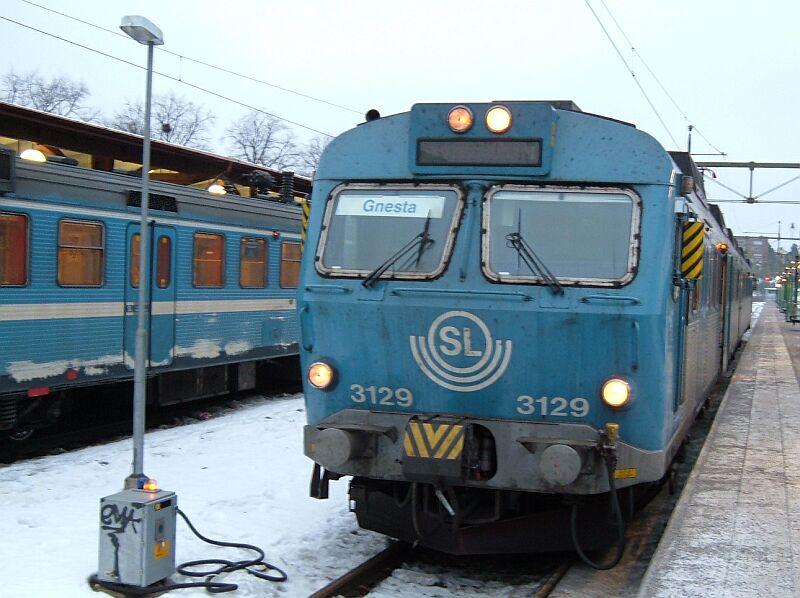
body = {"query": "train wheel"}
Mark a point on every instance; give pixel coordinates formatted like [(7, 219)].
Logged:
[(21, 435)]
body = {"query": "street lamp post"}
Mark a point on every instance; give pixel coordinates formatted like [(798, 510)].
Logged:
[(146, 33)]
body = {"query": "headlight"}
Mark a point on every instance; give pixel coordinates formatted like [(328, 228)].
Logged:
[(498, 119), (320, 375), (460, 119), (616, 392)]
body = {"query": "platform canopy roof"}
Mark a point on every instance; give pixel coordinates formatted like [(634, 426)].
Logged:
[(105, 148)]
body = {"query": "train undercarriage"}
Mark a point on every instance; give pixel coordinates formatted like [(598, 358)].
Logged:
[(23, 413)]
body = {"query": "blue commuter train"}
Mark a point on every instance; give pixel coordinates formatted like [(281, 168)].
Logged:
[(224, 273), (510, 314)]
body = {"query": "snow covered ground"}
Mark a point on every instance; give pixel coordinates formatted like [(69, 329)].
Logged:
[(241, 477), (757, 307)]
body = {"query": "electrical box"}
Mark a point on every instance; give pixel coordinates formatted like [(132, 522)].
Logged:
[(137, 537)]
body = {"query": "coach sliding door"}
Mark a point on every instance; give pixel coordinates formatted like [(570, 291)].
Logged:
[(162, 293)]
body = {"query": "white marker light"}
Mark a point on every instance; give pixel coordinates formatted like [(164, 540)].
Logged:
[(498, 119), (616, 393)]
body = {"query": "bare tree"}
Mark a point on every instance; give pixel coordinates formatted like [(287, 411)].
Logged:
[(263, 139), (173, 118), (308, 157), (59, 95)]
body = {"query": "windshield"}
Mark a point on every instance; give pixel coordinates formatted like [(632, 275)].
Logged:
[(366, 227), (581, 236)]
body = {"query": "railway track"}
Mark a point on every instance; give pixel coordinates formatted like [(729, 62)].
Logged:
[(538, 576), (361, 579), (76, 433)]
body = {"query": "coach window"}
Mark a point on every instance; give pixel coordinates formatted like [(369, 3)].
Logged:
[(13, 250), (80, 253), (253, 263), (163, 261), (135, 260), (290, 265), (208, 260)]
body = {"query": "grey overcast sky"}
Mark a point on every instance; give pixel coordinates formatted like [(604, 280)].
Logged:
[(731, 66)]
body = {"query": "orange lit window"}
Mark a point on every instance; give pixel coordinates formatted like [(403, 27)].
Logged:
[(163, 261), (290, 265), (80, 254), (253, 263), (208, 256), (135, 257), (13, 250)]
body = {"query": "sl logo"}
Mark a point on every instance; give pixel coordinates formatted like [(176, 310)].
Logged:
[(464, 339)]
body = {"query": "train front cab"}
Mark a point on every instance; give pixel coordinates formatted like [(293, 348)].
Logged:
[(458, 350)]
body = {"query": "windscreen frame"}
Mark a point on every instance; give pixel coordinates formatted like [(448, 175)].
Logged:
[(532, 279), (361, 274)]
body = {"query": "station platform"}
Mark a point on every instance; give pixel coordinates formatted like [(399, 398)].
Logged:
[(736, 528)]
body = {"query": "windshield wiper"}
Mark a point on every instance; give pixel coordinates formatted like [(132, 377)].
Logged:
[(422, 241), (426, 238), (535, 264)]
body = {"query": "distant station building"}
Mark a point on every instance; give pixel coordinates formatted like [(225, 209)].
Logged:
[(765, 260)]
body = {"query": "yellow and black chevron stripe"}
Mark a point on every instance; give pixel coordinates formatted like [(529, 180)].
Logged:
[(692, 249), (306, 206), (434, 441)]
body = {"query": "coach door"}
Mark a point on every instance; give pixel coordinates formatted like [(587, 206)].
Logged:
[(689, 261), (162, 293), (725, 314)]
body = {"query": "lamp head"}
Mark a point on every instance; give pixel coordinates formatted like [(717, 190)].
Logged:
[(142, 30)]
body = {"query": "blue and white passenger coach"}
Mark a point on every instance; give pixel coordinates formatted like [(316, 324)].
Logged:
[(223, 282), (507, 310)]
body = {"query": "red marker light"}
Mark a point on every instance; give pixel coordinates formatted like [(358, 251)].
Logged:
[(72, 374), (275, 234)]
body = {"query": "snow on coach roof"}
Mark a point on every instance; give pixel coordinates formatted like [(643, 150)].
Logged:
[(104, 142)]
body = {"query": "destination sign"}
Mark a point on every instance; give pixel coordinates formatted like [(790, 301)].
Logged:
[(396, 206), (479, 152)]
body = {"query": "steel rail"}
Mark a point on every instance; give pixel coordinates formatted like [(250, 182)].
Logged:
[(361, 579), (552, 580)]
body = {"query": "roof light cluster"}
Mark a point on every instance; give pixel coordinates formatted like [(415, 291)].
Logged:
[(497, 118)]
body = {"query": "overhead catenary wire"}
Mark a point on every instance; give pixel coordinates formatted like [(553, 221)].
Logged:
[(656, 79), (183, 57), (167, 76), (632, 73)]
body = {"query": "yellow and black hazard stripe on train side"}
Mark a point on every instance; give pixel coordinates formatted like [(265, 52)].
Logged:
[(434, 440), (692, 249), (306, 207)]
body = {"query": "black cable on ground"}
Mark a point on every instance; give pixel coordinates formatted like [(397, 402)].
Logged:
[(620, 525), (257, 567)]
